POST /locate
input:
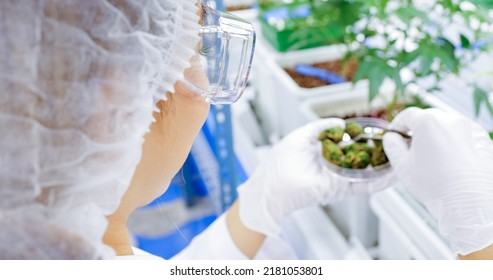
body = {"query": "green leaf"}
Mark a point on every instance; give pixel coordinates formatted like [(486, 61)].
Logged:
[(481, 96), (395, 75), (427, 58), (477, 98), (488, 105), (409, 57), (375, 79), (465, 42), (363, 69), (491, 135), (406, 14), (451, 62), (484, 3), (382, 6), (442, 49)]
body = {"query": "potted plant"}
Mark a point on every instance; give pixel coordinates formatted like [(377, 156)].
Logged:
[(411, 44), (280, 88), (289, 32), (301, 24)]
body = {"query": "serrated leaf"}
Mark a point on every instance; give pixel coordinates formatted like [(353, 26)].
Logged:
[(464, 41), (426, 61), (449, 60), (447, 45), (488, 105), (395, 75), (363, 70), (478, 98), (375, 80), (409, 57)]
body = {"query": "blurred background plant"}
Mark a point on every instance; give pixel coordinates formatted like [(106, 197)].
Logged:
[(418, 42), (485, 3), (299, 24)]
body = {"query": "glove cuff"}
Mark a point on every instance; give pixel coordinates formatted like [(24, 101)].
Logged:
[(469, 228), (466, 239)]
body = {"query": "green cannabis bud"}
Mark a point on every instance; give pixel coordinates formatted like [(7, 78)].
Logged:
[(378, 156), (331, 151), (334, 133), (357, 160), (357, 147), (357, 155), (354, 129)]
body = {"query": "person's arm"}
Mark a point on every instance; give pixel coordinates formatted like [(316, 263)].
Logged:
[(484, 254), (247, 240)]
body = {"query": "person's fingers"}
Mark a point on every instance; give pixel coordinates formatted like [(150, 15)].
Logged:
[(396, 148), (405, 120), (306, 136)]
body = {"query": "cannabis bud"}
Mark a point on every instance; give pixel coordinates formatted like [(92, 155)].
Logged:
[(378, 156), (357, 155), (356, 159), (334, 134), (354, 129), (331, 151)]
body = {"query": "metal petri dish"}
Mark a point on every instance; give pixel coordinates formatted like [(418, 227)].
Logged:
[(371, 126)]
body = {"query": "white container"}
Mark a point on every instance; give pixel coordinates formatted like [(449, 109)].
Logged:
[(354, 218), (237, 3), (407, 231), (323, 106), (279, 96), (246, 14)]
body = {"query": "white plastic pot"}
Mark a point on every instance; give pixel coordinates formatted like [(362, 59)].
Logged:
[(279, 96), (358, 103), (246, 14)]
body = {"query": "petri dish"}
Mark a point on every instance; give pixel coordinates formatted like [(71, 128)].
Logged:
[(371, 126)]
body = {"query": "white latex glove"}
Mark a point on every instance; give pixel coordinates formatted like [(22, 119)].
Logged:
[(292, 177), (448, 168)]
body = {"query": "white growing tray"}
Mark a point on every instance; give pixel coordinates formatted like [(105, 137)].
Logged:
[(279, 96)]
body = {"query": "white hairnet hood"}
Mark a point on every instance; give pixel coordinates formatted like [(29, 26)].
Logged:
[(79, 81)]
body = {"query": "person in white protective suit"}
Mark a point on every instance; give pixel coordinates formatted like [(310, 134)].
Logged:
[(83, 82), (101, 102)]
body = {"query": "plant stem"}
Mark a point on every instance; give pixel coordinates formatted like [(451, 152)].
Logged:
[(392, 105)]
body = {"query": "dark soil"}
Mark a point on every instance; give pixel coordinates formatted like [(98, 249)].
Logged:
[(382, 113), (346, 70), (238, 8)]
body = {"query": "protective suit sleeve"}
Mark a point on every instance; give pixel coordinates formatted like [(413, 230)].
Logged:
[(215, 243)]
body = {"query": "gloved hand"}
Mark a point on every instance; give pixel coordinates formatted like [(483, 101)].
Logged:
[(448, 168), (292, 177)]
